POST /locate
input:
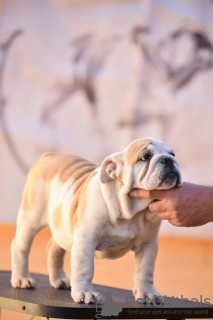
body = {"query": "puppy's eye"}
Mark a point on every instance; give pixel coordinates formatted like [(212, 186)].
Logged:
[(172, 154), (145, 157)]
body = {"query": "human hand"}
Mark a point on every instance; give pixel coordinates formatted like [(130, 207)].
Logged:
[(188, 206)]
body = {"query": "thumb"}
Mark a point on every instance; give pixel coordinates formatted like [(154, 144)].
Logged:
[(147, 194)]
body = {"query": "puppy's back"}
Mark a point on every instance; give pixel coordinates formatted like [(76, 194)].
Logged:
[(49, 166)]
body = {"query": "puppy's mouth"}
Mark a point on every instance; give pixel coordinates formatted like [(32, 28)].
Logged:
[(172, 179)]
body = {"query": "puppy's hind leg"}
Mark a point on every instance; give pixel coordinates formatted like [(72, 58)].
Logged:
[(25, 233), (55, 262)]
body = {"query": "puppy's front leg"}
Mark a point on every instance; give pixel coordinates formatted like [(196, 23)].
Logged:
[(82, 268), (144, 269)]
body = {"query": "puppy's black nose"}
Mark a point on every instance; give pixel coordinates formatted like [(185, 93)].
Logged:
[(167, 160)]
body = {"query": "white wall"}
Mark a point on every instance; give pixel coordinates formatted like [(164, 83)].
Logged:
[(88, 78)]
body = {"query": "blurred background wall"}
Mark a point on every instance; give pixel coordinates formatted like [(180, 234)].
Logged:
[(87, 77)]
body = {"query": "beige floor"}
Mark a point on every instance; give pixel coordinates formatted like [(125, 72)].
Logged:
[(183, 267)]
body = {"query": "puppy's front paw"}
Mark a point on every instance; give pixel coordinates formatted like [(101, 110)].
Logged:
[(148, 295), (90, 297), (23, 283)]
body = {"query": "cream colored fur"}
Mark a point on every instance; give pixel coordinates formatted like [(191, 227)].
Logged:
[(90, 214)]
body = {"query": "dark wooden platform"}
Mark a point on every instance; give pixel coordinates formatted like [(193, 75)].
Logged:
[(50, 303)]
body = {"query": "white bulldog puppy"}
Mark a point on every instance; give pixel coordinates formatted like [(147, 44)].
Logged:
[(90, 214)]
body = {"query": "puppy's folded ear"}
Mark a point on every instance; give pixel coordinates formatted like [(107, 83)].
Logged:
[(111, 167)]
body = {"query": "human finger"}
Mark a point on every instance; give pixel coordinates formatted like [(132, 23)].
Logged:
[(147, 194), (157, 206)]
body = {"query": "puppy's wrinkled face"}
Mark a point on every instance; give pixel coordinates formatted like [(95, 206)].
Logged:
[(146, 163), (153, 165)]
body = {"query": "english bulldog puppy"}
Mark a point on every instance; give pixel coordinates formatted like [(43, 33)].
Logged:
[(90, 214)]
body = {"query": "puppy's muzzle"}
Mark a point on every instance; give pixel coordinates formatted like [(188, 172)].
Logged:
[(167, 161), (170, 170)]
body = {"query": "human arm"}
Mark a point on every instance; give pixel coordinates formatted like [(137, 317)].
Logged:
[(188, 206)]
